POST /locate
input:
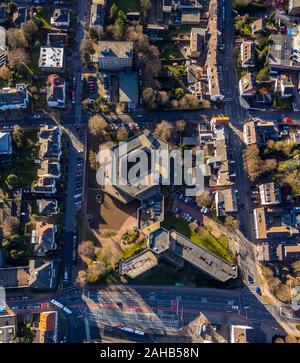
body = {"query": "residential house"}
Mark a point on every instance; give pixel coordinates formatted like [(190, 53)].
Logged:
[(44, 186), (47, 207), (3, 13), (270, 194), (219, 168), (190, 15), (197, 42), (49, 169), (97, 16), (57, 40), (226, 202), (60, 18), (274, 223), (259, 26), (248, 54), (45, 327), (246, 85), (8, 325), (14, 277), (115, 55), (43, 275), (294, 7), (43, 238), (284, 86), (50, 142), (133, 17), (241, 334), (156, 32), (20, 16), (212, 60), (5, 146), (259, 132), (284, 52), (289, 252), (56, 91), (14, 98), (128, 89), (52, 59), (167, 6)]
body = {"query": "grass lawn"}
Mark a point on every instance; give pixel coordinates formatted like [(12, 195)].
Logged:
[(204, 239), (130, 251), (170, 51), (22, 163), (45, 18), (128, 5), (174, 31)]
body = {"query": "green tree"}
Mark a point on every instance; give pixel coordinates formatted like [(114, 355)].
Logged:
[(113, 11), (263, 75), (12, 181), (179, 93)]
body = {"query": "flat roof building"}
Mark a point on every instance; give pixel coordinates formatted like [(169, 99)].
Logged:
[(284, 52), (129, 89), (113, 55), (270, 194), (52, 59)]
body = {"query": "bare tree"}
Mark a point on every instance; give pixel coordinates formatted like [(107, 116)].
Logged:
[(296, 266), (29, 29), (188, 101), (122, 134), (97, 125), (180, 125), (95, 271), (10, 226), (163, 130), (87, 249), (18, 58), (231, 223), (93, 160), (204, 199), (5, 73), (87, 46), (16, 38)]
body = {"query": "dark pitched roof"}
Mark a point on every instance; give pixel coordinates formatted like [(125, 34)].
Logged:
[(5, 143), (12, 96), (47, 207), (57, 40)]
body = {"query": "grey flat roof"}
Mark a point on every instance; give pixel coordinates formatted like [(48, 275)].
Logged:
[(201, 258)]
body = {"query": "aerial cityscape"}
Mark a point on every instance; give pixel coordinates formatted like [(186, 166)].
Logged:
[(149, 171)]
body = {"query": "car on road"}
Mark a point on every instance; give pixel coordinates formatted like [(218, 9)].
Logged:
[(258, 290), (38, 115), (66, 275), (204, 210), (250, 279)]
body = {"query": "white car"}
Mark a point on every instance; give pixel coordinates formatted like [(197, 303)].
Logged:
[(66, 275)]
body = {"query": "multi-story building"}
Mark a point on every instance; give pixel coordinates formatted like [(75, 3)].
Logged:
[(14, 98), (56, 91), (52, 59), (115, 55)]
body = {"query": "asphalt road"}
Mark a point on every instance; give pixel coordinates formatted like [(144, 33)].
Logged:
[(156, 310)]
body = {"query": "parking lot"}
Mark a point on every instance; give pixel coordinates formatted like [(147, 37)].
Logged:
[(188, 209)]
